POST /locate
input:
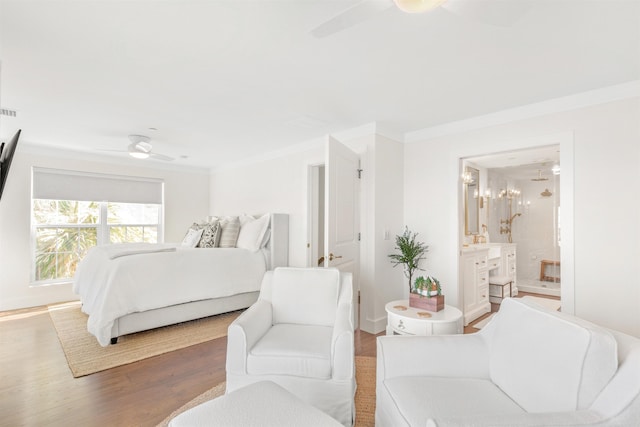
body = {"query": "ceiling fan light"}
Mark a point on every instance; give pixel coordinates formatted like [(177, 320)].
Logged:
[(139, 154), (417, 6)]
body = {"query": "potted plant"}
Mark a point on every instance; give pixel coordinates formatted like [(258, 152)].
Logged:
[(411, 253), (433, 287), (427, 294), (420, 286)]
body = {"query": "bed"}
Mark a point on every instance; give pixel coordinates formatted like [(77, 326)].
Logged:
[(135, 287)]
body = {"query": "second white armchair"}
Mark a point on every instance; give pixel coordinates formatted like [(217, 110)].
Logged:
[(299, 334)]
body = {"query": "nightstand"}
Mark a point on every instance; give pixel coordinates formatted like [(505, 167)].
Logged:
[(405, 320)]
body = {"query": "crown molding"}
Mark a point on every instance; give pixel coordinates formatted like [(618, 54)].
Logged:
[(291, 149), (581, 100), (355, 132), (315, 143)]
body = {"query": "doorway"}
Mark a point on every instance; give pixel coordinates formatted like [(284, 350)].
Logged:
[(333, 214), (521, 205), (316, 215)]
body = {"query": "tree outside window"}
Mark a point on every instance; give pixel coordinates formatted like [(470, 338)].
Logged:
[(66, 229)]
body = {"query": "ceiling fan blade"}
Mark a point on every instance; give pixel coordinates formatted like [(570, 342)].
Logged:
[(499, 13), (161, 157), (112, 150), (357, 13)]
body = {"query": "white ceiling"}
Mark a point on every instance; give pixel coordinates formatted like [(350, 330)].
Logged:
[(226, 80)]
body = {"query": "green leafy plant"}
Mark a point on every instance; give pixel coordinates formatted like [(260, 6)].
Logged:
[(427, 286), (419, 284), (411, 253), (432, 285)]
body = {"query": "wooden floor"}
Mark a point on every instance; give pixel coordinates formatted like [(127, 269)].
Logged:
[(37, 388)]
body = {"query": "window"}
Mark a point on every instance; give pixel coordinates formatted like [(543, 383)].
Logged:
[(64, 232), (133, 222), (72, 212)]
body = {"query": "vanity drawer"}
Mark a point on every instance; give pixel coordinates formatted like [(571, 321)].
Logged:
[(483, 278), (493, 263), (483, 294), (482, 262)]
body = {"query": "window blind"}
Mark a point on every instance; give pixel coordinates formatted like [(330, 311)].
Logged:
[(61, 184)]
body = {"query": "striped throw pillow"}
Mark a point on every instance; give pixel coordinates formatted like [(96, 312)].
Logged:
[(230, 228)]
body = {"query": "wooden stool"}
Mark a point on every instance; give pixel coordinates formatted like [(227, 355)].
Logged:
[(543, 274), (498, 286)]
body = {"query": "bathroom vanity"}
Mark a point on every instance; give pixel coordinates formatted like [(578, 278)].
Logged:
[(477, 262)]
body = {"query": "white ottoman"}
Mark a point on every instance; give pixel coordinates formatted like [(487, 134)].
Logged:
[(263, 404)]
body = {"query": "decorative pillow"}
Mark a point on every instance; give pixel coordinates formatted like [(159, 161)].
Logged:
[(192, 238), (210, 232), (252, 232), (266, 238), (230, 229)]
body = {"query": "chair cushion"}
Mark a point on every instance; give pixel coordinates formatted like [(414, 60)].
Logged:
[(305, 296), (299, 350), (549, 362), (419, 399), (500, 280)]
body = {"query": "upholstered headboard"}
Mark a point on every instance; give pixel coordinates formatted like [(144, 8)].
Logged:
[(279, 241)]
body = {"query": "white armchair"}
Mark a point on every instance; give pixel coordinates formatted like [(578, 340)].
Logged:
[(299, 334), (528, 367)]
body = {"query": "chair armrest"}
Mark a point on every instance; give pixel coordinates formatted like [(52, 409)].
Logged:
[(435, 355), (342, 345), (244, 332), (577, 418)]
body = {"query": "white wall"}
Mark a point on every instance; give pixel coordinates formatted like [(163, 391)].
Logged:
[(186, 200), (381, 216), (280, 184), (606, 221), (277, 185)]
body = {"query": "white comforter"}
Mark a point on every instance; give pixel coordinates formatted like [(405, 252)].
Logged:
[(115, 280)]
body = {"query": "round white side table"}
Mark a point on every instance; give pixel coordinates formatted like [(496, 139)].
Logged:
[(405, 320)]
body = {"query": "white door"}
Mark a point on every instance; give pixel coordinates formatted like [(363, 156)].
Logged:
[(342, 214)]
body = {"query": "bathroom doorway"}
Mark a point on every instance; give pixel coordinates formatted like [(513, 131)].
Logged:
[(521, 205)]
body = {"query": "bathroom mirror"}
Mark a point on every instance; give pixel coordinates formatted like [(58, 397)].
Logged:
[(471, 201)]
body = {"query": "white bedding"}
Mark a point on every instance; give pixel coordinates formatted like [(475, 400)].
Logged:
[(116, 280)]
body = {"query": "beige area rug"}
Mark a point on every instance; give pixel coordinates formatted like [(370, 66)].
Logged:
[(85, 356), (365, 394), (550, 304)]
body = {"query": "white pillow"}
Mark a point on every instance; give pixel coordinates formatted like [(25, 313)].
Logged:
[(192, 238), (252, 232)]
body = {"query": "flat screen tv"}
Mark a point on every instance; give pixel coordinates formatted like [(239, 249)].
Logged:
[(7, 150)]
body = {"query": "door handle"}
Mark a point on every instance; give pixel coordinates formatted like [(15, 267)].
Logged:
[(320, 261), (332, 257)]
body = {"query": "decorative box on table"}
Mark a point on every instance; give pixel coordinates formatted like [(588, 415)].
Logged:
[(433, 303), (426, 294)]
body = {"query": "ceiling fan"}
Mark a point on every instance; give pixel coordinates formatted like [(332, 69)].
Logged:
[(491, 12), (141, 148)]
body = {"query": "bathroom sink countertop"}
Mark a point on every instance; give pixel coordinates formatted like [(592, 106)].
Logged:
[(494, 248)]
